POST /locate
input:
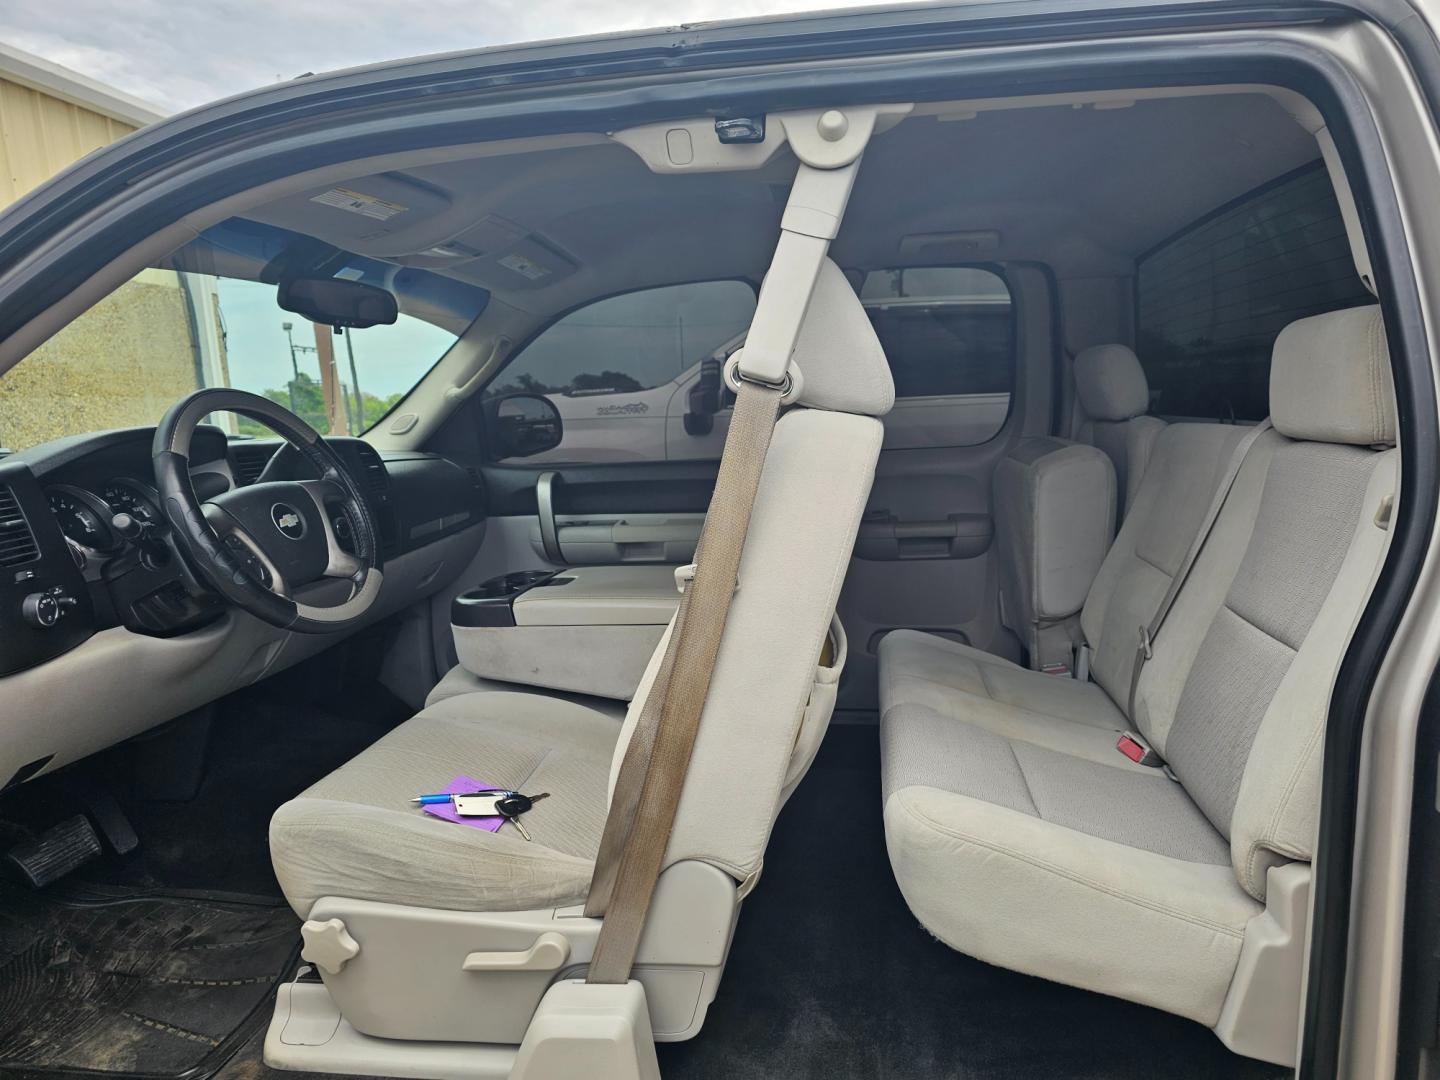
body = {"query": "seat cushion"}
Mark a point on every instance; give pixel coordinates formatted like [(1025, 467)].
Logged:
[(963, 683), (355, 833), (1102, 876)]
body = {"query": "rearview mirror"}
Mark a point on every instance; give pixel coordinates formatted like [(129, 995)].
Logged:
[(522, 425), (703, 401), (337, 302)]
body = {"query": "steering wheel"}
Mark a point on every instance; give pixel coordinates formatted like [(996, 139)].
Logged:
[(258, 545)]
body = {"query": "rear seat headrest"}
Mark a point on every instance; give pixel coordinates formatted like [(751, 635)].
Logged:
[(842, 366), (1110, 383), (1330, 379)]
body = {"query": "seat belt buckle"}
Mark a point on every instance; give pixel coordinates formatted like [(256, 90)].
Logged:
[(1146, 649), (1137, 751), (1056, 667)]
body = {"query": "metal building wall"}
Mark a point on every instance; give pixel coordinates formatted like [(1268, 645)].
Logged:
[(40, 135)]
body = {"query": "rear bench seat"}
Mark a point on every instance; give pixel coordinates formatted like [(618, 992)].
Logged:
[(1019, 833)]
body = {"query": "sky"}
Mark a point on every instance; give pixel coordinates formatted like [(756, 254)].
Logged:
[(179, 55)]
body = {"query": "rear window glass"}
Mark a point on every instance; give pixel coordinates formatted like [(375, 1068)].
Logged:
[(1212, 300), (947, 330)]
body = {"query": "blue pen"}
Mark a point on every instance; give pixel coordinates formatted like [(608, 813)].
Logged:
[(432, 800)]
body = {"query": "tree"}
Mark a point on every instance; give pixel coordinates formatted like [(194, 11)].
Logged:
[(309, 404), (303, 396)]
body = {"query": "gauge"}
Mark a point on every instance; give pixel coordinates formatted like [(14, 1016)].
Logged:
[(134, 498), (82, 517)]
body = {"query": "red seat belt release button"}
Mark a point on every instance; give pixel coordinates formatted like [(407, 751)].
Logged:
[(1137, 751)]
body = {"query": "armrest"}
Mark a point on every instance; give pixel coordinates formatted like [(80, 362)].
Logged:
[(642, 594)]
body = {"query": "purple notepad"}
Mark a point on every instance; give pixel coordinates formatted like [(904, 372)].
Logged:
[(464, 785)]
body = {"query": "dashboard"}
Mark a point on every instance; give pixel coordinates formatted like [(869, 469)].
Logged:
[(107, 631), (82, 527)]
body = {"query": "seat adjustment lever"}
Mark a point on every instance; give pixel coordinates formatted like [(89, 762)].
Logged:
[(549, 953)]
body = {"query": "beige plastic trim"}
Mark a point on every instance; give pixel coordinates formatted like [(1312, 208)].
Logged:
[(307, 1034), (440, 976), (601, 1032), (1261, 1014), (549, 953)]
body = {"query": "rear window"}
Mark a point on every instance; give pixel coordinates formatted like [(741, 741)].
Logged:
[(947, 330), (1212, 300)]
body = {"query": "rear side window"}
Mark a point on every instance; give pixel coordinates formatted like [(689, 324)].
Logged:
[(1212, 300), (949, 335)]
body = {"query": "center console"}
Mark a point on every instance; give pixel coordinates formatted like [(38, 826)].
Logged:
[(586, 630)]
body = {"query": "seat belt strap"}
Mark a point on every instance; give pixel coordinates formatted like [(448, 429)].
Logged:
[(1148, 633), (652, 772)]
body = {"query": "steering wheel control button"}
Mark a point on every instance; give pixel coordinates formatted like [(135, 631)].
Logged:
[(288, 521), (250, 563)]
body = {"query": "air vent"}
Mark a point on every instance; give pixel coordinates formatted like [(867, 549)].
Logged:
[(17, 542), (248, 462), (377, 480)]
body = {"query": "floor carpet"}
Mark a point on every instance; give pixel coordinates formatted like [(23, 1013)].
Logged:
[(109, 981)]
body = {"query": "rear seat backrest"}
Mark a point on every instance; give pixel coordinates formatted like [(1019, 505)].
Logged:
[(1252, 645), (1181, 478), (1113, 396)]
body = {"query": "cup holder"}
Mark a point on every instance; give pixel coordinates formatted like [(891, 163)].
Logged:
[(488, 604)]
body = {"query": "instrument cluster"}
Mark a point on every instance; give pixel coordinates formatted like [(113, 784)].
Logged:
[(89, 520)]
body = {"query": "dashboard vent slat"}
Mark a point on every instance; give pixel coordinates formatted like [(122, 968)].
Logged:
[(17, 541), (249, 462), (377, 479)]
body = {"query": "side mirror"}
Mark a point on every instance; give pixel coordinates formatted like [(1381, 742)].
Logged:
[(337, 302), (704, 399), (522, 425)]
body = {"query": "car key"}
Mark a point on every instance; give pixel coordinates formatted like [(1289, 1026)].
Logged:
[(512, 807)]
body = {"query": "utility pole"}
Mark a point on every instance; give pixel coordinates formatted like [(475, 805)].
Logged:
[(359, 425), (295, 350), (294, 364)]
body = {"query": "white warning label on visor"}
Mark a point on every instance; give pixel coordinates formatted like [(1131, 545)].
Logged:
[(357, 202)]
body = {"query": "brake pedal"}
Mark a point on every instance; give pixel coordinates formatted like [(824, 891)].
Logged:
[(55, 852)]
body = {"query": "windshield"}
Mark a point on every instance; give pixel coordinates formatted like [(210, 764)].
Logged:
[(204, 320)]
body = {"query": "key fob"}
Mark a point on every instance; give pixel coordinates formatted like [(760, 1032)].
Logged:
[(479, 805)]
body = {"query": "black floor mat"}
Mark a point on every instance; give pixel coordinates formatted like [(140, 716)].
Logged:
[(101, 980)]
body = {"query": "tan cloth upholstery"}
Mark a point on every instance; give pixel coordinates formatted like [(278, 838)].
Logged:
[(356, 834), (1018, 837)]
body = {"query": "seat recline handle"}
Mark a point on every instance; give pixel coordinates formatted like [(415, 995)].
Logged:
[(548, 953)]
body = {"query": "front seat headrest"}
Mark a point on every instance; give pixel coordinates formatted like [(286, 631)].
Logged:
[(1110, 383), (842, 366), (1330, 379)]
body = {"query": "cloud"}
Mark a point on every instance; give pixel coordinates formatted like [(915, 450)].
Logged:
[(182, 55)]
